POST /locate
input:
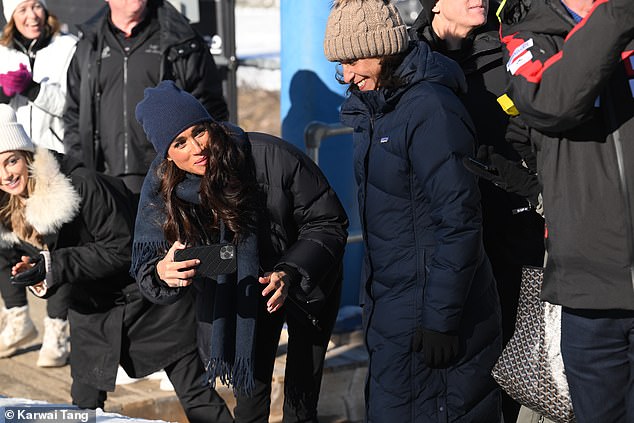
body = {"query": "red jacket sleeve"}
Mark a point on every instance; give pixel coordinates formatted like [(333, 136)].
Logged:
[(555, 85)]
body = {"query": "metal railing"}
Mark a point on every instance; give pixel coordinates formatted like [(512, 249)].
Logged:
[(314, 133)]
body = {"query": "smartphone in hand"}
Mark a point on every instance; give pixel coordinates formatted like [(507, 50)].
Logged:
[(483, 166), (215, 259)]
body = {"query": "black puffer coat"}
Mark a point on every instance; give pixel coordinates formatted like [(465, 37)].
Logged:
[(303, 224), (86, 221), (425, 264)]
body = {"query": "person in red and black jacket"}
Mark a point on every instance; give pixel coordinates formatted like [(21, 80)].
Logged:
[(572, 80)]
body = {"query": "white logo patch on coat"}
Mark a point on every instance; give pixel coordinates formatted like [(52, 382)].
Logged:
[(105, 52), (520, 56), (384, 140), (153, 49), (519, 61)]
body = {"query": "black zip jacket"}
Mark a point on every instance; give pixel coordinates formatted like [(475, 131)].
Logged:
[(92, 116), (574, 86)]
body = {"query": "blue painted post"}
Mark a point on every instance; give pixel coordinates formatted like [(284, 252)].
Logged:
[(310, 92)]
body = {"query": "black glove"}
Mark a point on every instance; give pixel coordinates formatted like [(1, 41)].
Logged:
[(503, 173), (4, 99), (439, 349), (481, 165), (34, 275)]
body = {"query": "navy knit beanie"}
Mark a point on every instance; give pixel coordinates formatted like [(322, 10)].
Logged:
[(166, 111)]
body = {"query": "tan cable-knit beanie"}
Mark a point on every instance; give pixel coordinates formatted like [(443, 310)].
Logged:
[(358, 29)]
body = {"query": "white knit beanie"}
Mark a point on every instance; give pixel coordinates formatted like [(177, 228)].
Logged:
[(358, 29), (12, 134), (9, 6)]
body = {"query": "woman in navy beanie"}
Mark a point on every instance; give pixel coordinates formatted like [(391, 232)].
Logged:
[(211, 183)]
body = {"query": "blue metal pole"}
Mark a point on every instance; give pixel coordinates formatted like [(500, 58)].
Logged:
[(310, 92)]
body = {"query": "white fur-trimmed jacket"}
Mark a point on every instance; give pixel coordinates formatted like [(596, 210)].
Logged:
[(86, 222)]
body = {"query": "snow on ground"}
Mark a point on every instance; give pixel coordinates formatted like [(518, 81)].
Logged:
[(258, 47)]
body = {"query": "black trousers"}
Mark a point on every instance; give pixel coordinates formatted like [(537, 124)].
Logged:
[(56, 305), (304, 362), (201, 403)]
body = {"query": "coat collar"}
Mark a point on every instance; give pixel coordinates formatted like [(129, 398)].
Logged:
[(54, 201), (420, 65)]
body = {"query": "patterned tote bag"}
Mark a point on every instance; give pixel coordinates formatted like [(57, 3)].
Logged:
[(530, 368)]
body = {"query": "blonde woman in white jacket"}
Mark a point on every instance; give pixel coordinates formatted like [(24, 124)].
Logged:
[(34, 58)]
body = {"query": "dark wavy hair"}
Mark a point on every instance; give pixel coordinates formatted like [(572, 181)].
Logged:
[(228, 191), (387, 77)]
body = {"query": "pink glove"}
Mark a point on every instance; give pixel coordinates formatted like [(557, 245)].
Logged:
[(15, 82)]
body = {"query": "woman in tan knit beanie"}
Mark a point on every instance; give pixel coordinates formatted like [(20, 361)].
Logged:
[(431, 310)]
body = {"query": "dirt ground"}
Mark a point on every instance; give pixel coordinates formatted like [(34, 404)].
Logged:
[(259, 110)]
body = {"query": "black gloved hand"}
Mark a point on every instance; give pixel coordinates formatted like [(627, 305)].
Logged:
[(439, 349), (34, 275), (481, 165), (505, 174)]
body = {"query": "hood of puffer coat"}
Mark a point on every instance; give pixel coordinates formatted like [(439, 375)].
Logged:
[(420, 65)]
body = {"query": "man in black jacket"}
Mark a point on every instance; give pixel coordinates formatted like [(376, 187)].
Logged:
[(126, 47), (572, 80), (464, 31)]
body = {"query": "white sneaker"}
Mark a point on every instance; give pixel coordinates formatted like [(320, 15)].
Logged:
[(18, 330), (55, 346), (166, 384), (157, 375), (123, 378)]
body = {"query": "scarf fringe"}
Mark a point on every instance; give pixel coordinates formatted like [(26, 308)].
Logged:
[(239, 375)]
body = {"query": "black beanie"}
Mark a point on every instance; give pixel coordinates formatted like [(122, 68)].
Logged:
[(428, 5), (166, 111)]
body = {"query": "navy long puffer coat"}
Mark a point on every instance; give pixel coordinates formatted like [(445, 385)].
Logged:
[(424, 264)]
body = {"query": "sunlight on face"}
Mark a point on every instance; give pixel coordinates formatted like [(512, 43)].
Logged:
[(29, 18), (127, 8), (188, 150), (364, 73), (459, 17), (14, 172)]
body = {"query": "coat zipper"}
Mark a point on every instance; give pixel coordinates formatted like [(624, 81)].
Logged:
[(364, 228), (126, 129), (366, 161)]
